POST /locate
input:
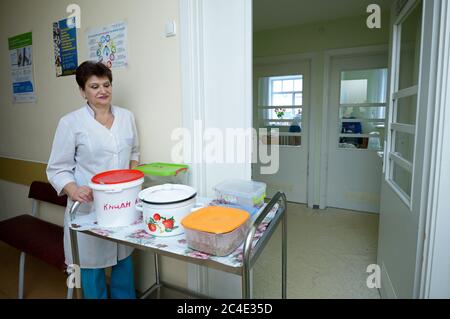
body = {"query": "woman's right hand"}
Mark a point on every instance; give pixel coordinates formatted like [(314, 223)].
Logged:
[(81, 194)]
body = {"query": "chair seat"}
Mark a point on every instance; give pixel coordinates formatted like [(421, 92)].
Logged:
[(36, 237)]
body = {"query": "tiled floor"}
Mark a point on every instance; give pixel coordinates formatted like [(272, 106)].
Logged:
[(328, 253)]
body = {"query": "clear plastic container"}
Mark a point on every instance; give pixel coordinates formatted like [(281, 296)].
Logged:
[(216, 244), (247, 194)]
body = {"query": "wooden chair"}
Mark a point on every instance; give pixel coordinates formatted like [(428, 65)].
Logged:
[(31, 235)]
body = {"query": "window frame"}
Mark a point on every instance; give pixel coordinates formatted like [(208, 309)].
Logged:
[(392, 157), (286, 139), (361, 120), (271, 93)]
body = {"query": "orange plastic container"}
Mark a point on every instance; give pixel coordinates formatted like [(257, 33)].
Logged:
[(216, 230)]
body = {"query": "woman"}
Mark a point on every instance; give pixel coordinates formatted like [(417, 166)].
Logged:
[(95, 138)]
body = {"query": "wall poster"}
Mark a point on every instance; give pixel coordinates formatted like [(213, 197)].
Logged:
[(21, 60), (65, 46), (108, 44)]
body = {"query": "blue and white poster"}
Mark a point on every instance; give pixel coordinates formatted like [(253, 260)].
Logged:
[(65, 47), (21, 59)]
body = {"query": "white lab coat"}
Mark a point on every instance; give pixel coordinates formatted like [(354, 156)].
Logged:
[(82, 148)]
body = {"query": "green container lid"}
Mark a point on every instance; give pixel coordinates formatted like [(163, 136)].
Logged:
[(162, 169)]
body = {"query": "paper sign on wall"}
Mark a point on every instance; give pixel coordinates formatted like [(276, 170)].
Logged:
[(108, 44), (21, 59), (65, 47)]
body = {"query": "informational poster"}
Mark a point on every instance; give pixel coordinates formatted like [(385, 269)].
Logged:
[(65, 47), (108, 44), (21, 57)]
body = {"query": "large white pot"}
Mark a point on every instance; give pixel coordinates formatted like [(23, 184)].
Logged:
[(115, 197), (164, 206)]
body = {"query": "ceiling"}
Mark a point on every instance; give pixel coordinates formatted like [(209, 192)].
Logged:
[(271, 14)]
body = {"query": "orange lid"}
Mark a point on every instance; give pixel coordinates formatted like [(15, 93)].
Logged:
[(117, 176), (216, 219)]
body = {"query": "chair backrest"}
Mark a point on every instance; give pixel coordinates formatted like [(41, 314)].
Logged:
[(45, 192)]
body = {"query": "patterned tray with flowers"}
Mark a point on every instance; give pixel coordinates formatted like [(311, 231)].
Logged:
[(136, 234)]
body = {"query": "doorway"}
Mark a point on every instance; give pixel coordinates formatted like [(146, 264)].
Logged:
[(401, 226), (281, 110), (356, 129)]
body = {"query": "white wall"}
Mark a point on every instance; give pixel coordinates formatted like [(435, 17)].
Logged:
[(437, 265), (216, 48), (150, 87)]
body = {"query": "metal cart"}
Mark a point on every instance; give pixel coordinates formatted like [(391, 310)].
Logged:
[(250, 253)]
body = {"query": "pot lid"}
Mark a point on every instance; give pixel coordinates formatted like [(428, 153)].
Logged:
[(167, 194), (117, 176)]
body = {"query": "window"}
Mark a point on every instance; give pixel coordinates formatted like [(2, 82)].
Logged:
[(285, 100), (280, 105), (362, 109), (404, 101)]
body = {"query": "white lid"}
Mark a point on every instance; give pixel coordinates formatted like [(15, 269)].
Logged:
[(241, 187), (167, 194)]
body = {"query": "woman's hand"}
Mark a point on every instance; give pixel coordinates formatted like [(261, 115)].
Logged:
[(133, 164), (81, 194)]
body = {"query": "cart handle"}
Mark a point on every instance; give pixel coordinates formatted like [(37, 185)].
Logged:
[(279, 197), (73, 210), (251, 232)]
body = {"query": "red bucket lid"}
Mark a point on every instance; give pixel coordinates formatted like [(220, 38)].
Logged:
[(117, 176)]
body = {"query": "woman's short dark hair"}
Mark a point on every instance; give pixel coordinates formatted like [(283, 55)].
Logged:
[(89, 68)]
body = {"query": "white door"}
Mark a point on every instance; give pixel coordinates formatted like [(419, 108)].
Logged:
[(281, 95), (356, 119), (403, 195)]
